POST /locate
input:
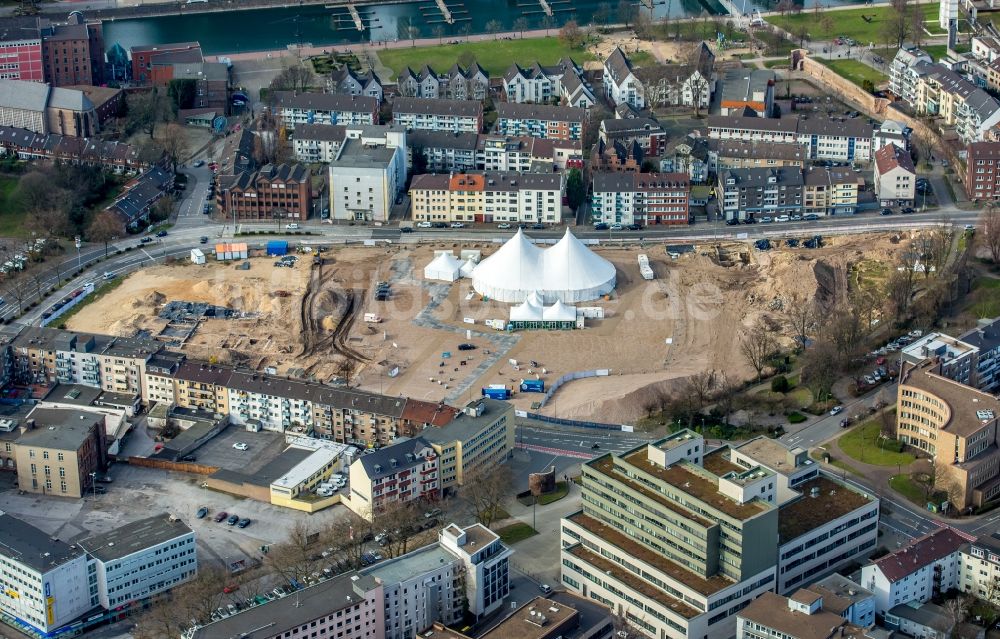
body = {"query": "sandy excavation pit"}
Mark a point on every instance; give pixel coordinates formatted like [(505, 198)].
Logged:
[(311, 320)]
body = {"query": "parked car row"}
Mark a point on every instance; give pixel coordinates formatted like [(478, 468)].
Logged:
[(899, 342)]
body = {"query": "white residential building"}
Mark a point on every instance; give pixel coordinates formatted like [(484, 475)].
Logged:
[(142, 559), (487, 565), (891, 132), (928, 566), (895, 176), (841, 139), (539, 84), (44, 582), (847, 599), (471, 83), (405, 472), (294, 108), (368, 173), (314, 143), (980, 569), (435, 114), (904, 77), (621, 85)]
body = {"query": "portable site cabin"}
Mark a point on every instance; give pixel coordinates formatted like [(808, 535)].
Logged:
[(231, 251), (197, 257)]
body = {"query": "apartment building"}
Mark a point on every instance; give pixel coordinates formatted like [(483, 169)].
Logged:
[(314, 143), (641, 198), (44, 583), (840, 139), (368, 173), (275, 192), (401, 473), (480, 437), (903, 73), (972, 359), (295, 108), (982, 171), (744, 89), (350, 604), (831, 191), (957, 425), (438, 151), (541, 121), (60, 452), (895, 176), (347, 81), (716, 551), (487, 565), (980, 568), (846, 598), (803, 615), (788, 191), (561, 82), (927, 567), (748, 154), (459, 83), (72, 52), (490, 196), (438, 114), (616, 157), (823, 524), (892, 132), (621, 86), (21, 57), (141, 559), (660, 84)]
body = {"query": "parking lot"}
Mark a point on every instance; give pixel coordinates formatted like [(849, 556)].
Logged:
[(262, 447)]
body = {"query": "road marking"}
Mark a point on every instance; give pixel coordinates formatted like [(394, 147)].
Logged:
[(555, 451)]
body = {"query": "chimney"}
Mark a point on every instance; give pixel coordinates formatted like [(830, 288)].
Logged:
[(29, 424)]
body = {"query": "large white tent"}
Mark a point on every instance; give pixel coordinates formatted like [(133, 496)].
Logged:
[(567, 272), (445, 267)]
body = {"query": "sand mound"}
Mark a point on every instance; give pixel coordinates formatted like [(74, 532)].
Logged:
[(330, 322)]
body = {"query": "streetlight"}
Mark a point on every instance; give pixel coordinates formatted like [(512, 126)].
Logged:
[(93, 483), (76, 240)]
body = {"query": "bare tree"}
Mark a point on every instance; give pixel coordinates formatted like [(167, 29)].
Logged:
[(297, 77), (159, 621), (958, 609), (899, 291), (820, 369), (105, 227), (698, 389), (174, 143), (295, 558), (989, 223), (403, 522), (521, 25), (800, 313), (485, 489), (757, 345), (725, 397), (570, 34), (19, 290), (844, 331)]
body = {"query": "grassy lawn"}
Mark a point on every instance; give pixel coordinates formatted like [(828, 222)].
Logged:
[(776, 64), (846, 23), (863, 444), (908, 488), (515, 532), (987, 295), (856, 72), (643, 59), (11, 213), (495, 56)]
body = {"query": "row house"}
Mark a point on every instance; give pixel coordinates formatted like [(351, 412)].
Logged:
[(49, 356), (747, 154), (895, 176), (436, 114), (282, 191), (293, 108), (661, 84), (840, 139), (650, 135), (541, 121), (117, 157), (440, 151), (563, 82), (641, 198), (140, 194), (982, 180), (491, 196), (472, 83), (347, 81)]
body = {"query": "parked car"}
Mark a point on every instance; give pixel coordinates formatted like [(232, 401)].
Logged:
[(767, 219), (538, 226), (406, 229), (292, 227), (243, 523), (231, 588), (634, 227), (616, 227), (782, 218), (466, 347), (162, 234), (240, 446), (203, 239), (545, 588), (199, 164), (908, 210), (885, 211), (423, 225), (457, 225), (836, 410), (810, 217), (201, 512), (233, 519), (146, 240), (503, 225), (432, 513), (601, 226), (221, 516)]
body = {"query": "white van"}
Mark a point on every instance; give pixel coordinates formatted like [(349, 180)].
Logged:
[(373, 318), (292, 227)]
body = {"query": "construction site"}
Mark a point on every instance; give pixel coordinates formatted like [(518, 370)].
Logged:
[(365, 316)]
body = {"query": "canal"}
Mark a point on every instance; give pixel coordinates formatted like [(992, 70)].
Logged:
[(276, 28)]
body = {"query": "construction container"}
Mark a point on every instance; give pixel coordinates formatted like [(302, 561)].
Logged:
[(498, 391), (197, 257), (532, 386), (277, 247)]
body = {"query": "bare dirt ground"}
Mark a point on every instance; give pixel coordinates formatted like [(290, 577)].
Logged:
[(309, 320)]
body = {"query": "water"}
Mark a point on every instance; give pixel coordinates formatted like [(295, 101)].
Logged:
[(266, 29)]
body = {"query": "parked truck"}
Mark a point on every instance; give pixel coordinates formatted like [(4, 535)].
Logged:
[(532, 386), (498, 391)]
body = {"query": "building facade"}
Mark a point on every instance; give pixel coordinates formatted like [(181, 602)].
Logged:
[(61, 452), (392, 476), (895, 176), (641, 198), (652, 137), (21, 59), (478, 439), (840, 139), (487, 197), (293, 108), (982, 179), (541, 121), (275, 192), (72, 52), (367, 173), (459, 83), (437, 114)]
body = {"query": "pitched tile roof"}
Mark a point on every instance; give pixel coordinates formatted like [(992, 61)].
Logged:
[(921, 552)]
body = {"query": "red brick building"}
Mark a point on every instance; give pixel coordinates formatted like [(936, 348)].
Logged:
[(982, 181), (72, 53), (21, 59), (272, 193), (616, 157), (153, 64)]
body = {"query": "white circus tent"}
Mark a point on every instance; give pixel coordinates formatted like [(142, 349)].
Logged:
[(567, 272), (445, 267), (467, 267)]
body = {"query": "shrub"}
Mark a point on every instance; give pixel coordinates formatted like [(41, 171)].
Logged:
[(796, 417), (780, 384)]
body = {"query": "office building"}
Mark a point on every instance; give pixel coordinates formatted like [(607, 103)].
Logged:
[(61, 452), (295, 108), (541, 121), (895, 176), (641, 198), (438, 114), (151, 62), (972, 359), (21, 57), (691, 579), (404, 472), (142, 558), (274, 193), (478, 438), (367, 173)]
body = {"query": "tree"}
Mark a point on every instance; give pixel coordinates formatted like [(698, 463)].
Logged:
[(576, 190), (800, 32), (521, 25), (897, 24), (294, 558), (989, 223), (494, 26), (485, 489), (757, 345), (293, 78), (936, 249), (175, 144), (402, 521), (957, 609), (19, 290), (145, 109), (917, 26), (466, 59), (784, 6), (439, 33), (899, 291), (105, 227), (800, 315), (820, 369), (698, 389), (182, 93), (570, 34)]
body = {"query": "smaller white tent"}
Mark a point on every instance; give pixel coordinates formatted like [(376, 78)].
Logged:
[(528, 311), (559, 312), (468, 267), (445, 267)]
